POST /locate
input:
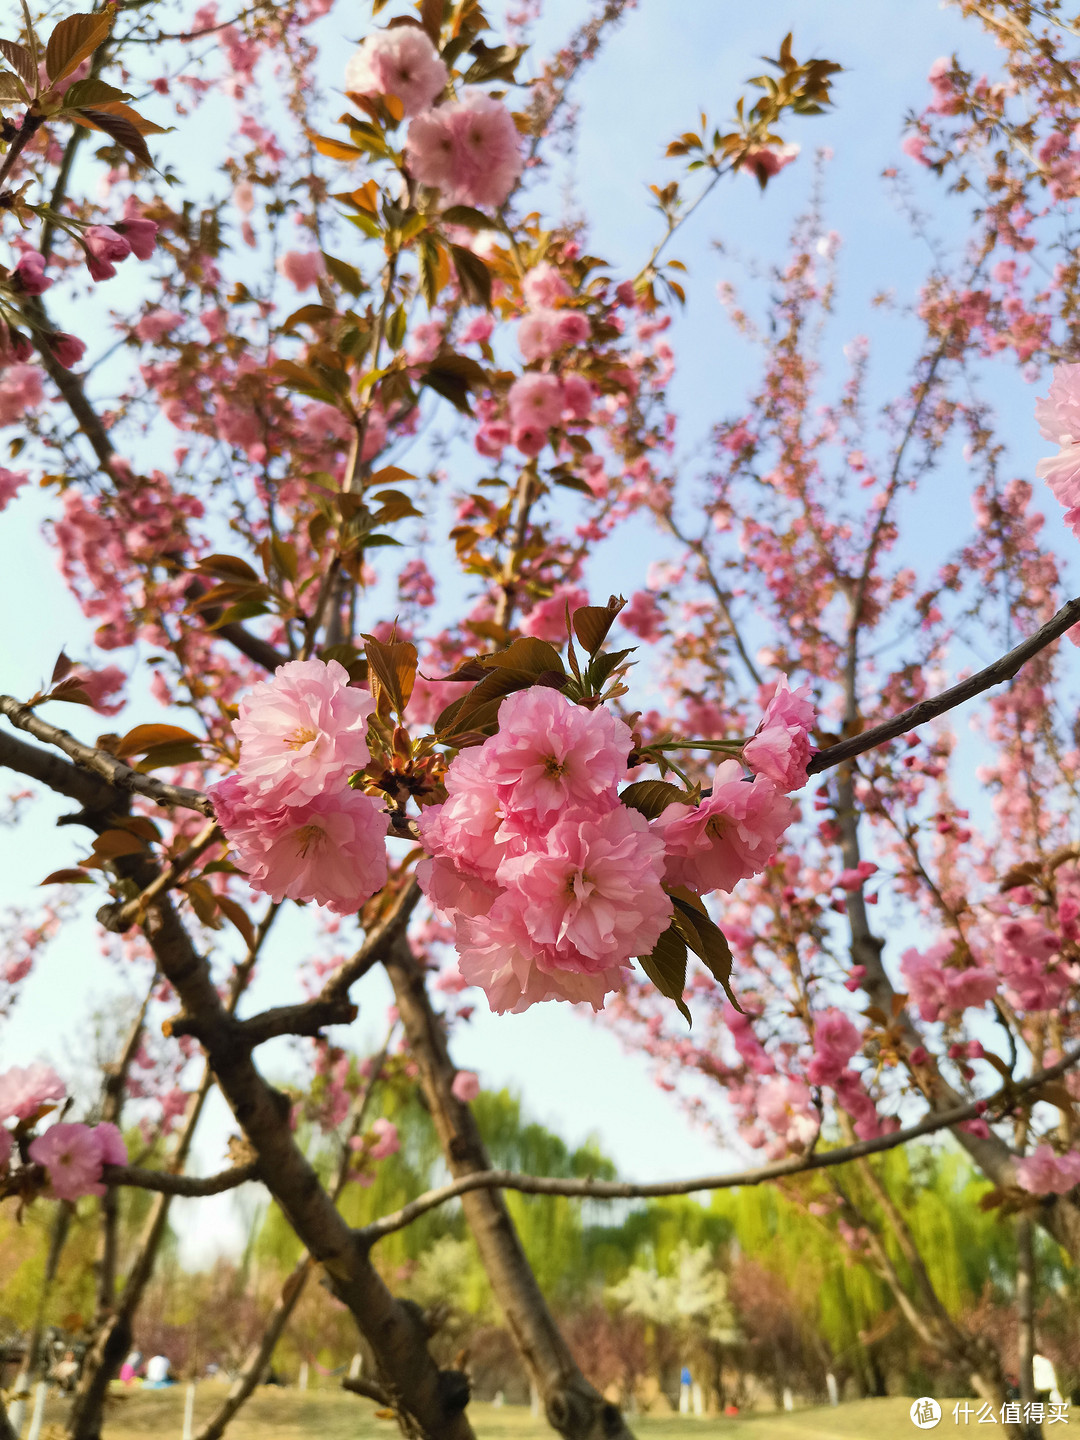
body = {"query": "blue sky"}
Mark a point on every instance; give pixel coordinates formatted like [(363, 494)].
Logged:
[(671, 59)]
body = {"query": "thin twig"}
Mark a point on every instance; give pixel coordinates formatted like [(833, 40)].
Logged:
[(167, 1183), (1001, 670), (589, 1189)]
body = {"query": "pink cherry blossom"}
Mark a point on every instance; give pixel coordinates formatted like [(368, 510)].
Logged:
[(496, 952), (103, 246), (544, 286), (592, 889), (535, 400), (1058, 417), (20, 390), (111, 1144), (23, 1091), (469, 150), (529, 438), (550, 753), (101, 686), (156, 324), (330, 849), (1044, 1173), (68, 349), (786, 1107), (578, 397), (835, 1041), (781, 748), (72, 1157), (140, 234), (401, 62), (547, 619), (11, 481), (387, 1140), (544, 332), (466, 1086), (29, 274), (765, 161), (730, 836), (302, 733), (302, 269), (643, 617), (936, 987)]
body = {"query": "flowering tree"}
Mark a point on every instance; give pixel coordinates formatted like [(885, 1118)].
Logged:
[(480, 781)]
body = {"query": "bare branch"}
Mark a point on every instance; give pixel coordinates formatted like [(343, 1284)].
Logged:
[(167, 1183), (129, 914), (1003, 1099), (1003, 669), (369, 1390), (95, 795), (122, 777)]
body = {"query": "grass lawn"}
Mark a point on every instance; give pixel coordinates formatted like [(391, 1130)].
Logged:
[(331, 1415)]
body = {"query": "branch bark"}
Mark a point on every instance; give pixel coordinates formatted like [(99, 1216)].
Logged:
[(573, 1406), (759, 1175), (1001, 670)]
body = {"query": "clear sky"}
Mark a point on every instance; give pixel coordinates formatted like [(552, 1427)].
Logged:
[(671, 59)]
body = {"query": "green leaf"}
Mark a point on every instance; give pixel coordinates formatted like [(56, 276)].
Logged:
[(666, 968), (73, 39), (652, 797), (466, 215), (346, 275), (707, 941), (603, 664), (92, 92)]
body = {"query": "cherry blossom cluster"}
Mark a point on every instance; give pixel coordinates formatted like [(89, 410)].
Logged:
[(551, 883), (468, 149), (298, 830), (72, 1155), (1058, 416)]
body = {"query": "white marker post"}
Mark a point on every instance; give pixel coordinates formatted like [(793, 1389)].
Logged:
[(189, 1410)]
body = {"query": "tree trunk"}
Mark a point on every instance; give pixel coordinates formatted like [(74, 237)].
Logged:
[(429, 1402), (573, 1406), (1025, 1317)]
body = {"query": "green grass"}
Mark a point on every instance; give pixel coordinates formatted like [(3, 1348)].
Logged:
[(331, 1415)]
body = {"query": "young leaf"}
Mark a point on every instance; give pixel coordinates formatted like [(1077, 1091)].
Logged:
[(652, 797), (592, 622), (146, 737), (21, 60), (120, 128), (73, 39), (666, 968), (391, 673)]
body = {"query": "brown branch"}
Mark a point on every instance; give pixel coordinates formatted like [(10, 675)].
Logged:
[(96, 796), (307, 1018), (129, 914), (369, 1390), (1001, 670), (122, 777), (1004, 1098), (166, 1183)]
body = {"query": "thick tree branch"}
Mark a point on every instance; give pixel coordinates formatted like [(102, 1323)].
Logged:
[(166, 1183), (1003, 1099), (96, 796), (122, 777), (1003, 669)]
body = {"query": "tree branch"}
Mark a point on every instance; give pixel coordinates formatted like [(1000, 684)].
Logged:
[(122, 777), (1004, 1098), (167, 1183), (1003, 669)]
